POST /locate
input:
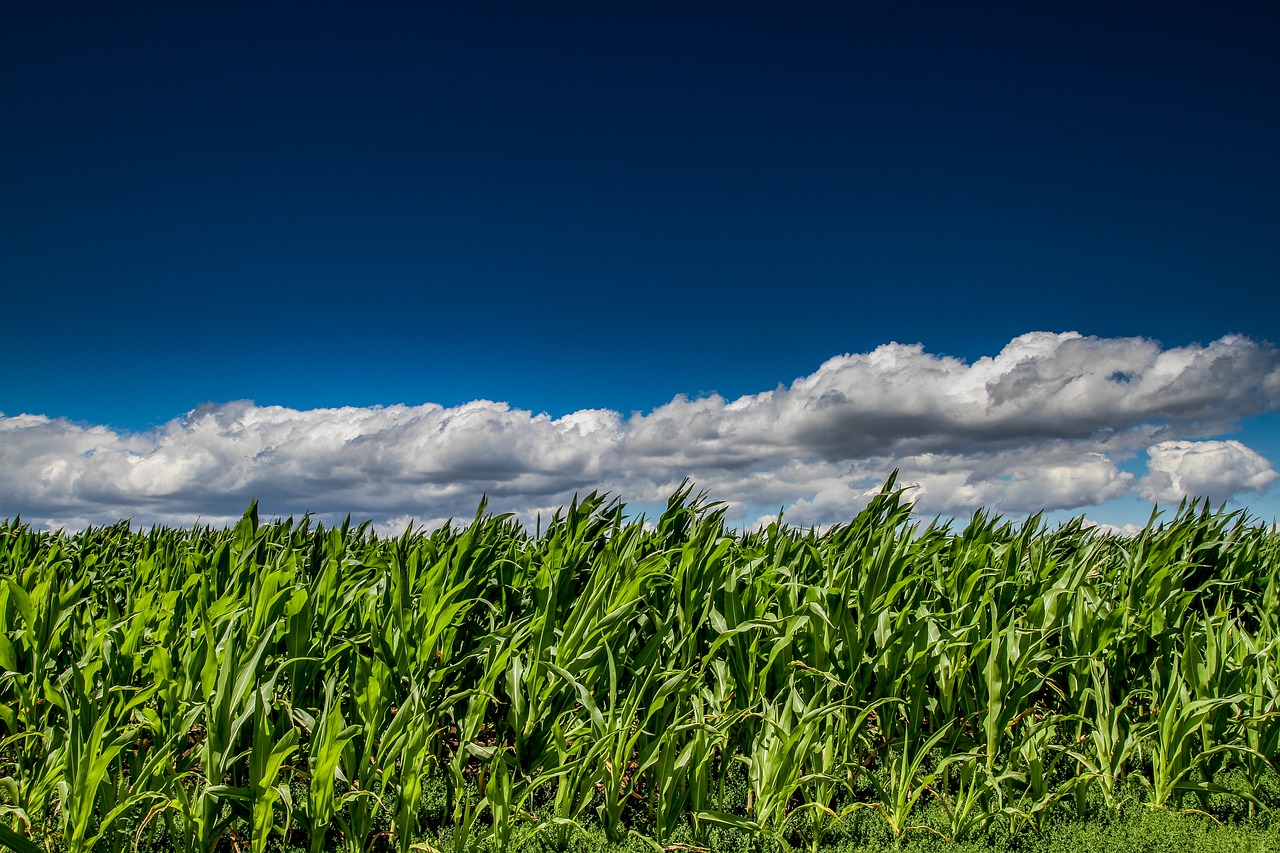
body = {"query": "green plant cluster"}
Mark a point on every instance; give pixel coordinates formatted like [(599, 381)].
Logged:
[(668, 685)]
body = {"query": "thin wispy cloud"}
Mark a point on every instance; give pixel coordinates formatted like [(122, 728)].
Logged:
[(1047, 423)]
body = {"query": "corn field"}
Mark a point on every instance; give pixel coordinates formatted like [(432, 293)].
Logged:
[(289, 685)]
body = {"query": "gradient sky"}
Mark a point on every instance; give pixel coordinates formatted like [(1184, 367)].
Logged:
[(596, 206)]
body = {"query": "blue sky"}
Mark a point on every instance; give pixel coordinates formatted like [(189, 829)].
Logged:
[(573, 208)]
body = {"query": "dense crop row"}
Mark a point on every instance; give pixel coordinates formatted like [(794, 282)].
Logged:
[(287, 683)]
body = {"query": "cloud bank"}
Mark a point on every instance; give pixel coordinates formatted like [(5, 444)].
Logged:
[(1045, 424)]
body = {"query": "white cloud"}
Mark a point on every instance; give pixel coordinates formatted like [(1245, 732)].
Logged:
[(1128, 529), (1217, 470), (1059, 475), (1040, 425)]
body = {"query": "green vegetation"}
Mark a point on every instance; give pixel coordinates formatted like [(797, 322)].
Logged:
[(606, 684)]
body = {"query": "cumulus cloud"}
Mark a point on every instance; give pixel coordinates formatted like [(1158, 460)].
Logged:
[(1042, 424), (1203, 469), (1128, 529)]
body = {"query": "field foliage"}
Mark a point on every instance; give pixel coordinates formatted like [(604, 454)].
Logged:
[(665, 685)]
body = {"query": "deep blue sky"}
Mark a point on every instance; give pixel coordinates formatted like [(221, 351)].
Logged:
[(595, 204)]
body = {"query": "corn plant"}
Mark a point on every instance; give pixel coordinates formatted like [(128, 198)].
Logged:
[(1109, 741), (1177, 747), (290, 683)]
